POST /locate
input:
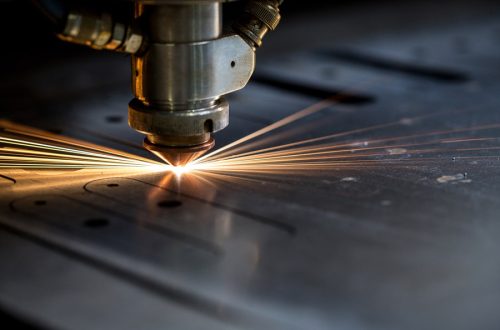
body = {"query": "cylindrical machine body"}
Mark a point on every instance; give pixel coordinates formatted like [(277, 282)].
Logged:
[(179, 23), (182, 66), (169, 72), (174, 74)]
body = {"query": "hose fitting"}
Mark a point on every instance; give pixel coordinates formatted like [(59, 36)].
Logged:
[(100, 32), (259, 17)]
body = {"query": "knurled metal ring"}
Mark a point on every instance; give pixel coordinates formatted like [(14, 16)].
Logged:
[(266, 13)]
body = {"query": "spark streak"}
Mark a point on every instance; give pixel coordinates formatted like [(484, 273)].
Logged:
[(339, 150), (26, 147), (257, 153)]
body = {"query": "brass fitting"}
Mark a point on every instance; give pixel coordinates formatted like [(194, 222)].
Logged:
[(260, 16), (100, 32)]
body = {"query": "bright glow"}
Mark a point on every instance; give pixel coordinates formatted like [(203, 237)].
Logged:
[(158, 168), (340, 150), (180, 170), (27, 147), (257, 154)]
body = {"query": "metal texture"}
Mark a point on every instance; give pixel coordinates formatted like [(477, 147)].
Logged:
[(183, 72), (175, 75), (374, 248), (184, 67), (100, 32), (179, 2), (179, 124), (260, 17), (182, 23)]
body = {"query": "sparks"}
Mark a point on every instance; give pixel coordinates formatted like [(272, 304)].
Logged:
[(30, 148), (259, 153)]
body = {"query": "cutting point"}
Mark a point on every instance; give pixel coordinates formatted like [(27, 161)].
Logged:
[(179, 155)]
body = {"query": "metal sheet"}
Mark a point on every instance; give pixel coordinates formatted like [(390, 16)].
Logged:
[(382, 247)]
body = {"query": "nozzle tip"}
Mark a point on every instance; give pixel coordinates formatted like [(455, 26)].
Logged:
[(179, 155)]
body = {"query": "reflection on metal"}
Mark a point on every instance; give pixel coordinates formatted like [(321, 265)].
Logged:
[(27, 147), (344, 219)]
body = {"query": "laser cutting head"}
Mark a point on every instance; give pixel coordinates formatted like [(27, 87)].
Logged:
[(182, 66), (186, 67)]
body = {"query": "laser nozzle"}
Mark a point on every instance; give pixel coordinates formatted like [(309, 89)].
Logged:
[(179, 155)]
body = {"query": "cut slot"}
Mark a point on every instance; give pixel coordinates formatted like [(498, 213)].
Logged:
[(321, 92), (96, 223), (393, 65), (114, 119), (170, 203), (8, 179)]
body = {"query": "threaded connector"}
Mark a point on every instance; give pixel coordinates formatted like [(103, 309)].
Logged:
[(259, 17), (100, 32)]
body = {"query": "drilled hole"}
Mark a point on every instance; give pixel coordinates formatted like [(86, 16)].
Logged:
[(209, 125), (112, 185), (233, 64), (96, 223), (170, 203), (114, 119), (40, 203)]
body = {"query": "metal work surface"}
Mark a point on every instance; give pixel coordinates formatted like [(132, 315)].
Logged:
[(379, 247)]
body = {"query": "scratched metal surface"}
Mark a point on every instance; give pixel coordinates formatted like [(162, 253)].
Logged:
[(380, 248)]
